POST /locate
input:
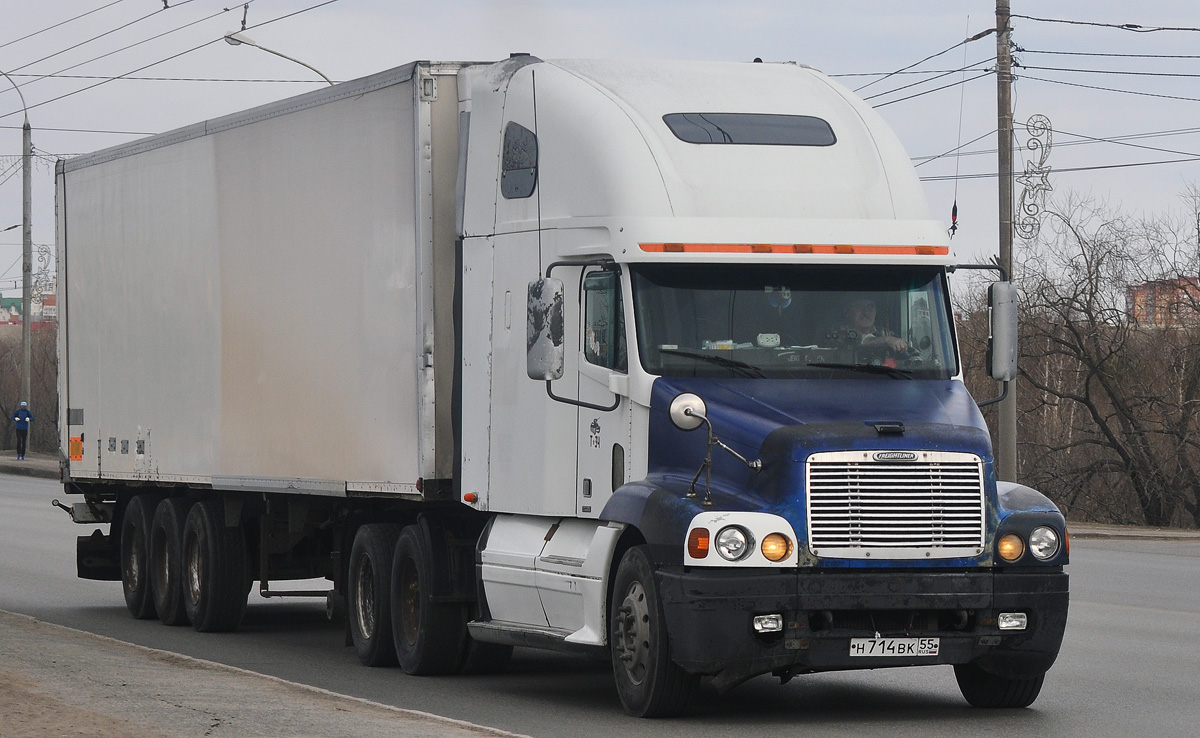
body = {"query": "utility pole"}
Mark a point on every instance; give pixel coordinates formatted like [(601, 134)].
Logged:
[(26, 258), (1007, 430)]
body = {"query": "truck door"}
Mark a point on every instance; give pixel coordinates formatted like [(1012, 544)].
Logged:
[(604, 435)]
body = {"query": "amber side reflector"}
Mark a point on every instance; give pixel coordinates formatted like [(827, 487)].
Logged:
[(789, 248), (470, 497), (698, 543)]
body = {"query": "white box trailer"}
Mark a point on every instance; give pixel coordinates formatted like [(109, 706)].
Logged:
[(442, 336)]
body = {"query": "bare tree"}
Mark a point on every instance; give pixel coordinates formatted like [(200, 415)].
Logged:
[(1109, 405)]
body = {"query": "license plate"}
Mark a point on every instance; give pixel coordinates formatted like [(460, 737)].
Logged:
[(892, 647)]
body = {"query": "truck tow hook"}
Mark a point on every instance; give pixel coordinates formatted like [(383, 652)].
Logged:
[(61, 506)]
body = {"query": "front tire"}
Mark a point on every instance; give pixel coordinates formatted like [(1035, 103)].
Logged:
[(983, 689), (135, 557), (649, 683), (369, 605), (214, 570), (430, 636), (166, 560)]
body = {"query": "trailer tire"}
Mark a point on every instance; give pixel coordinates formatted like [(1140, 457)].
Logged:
[(368, 602), (135, 555), (214, 569), (166, 560), (649, 683), (983, 689), (430, 636)]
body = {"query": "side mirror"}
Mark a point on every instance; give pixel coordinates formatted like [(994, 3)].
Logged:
[(545, 353), (687, 411), (1002, 299)]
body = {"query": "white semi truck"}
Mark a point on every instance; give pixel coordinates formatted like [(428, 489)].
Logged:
[(653, 360)]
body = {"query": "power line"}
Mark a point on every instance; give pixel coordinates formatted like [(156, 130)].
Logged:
[(161, 61), (124, 48), (1134, 27), (161, 79), (1063, 144), (84, 130), (61, 23), (947, 177), (935, 89), (1109, 54), (102, 35), (955, 150), (1109, 89), (1110, 71), (976, 37), (968, 67)]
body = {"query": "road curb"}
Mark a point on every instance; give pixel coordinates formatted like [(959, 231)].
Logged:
[(71, 638)]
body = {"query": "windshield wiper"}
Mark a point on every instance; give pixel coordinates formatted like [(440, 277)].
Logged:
[(887, 371), (748, 369)]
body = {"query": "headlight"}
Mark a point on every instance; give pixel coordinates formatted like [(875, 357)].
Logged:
[(776, 547), (733, 543), (1043, 543), (1010, 547)]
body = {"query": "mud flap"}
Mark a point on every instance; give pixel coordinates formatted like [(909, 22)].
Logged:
[(96, 558)]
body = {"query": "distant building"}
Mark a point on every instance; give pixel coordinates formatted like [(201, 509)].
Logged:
[(1165, 303)]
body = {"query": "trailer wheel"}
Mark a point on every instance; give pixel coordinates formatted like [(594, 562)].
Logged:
[(368, 602), (982, 689), (135, 564), (166, 560), (649, 683), (430, 636), (214, 569)]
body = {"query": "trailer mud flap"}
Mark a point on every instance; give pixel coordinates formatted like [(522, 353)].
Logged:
[(97, 558)]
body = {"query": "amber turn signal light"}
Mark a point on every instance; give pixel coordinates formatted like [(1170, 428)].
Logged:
[(776, 547), (1011, 547), (697, 545)]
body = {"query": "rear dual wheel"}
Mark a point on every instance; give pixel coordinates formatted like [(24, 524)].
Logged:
[(135, 556), (215, 569), (166, 560)]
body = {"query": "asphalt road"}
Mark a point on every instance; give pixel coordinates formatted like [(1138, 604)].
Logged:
[(1128, 666)]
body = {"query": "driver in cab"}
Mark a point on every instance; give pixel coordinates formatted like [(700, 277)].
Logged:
[(858, 325)]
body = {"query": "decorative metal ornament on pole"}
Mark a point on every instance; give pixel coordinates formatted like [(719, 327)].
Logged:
[(1036, 179)]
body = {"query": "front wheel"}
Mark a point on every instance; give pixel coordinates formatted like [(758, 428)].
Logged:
[(983, 689), (649, 683)]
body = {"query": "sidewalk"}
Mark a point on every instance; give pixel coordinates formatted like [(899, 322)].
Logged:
[(34, 465), (57, 681)]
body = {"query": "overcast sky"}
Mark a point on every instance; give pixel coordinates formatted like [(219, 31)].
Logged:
[(854, 40)]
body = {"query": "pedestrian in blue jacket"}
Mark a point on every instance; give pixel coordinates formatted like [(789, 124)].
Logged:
[(22, 417)]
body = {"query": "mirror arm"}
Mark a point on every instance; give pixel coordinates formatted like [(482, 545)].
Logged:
[(606, 264), (997, 398)]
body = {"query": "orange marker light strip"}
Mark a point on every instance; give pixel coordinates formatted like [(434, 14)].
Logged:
[(789, 248), (697, 544)]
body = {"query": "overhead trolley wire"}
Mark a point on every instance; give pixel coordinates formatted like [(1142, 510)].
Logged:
[(161, 61), (60, 23)]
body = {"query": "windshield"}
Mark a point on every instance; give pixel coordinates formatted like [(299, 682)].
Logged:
[(728, 320)]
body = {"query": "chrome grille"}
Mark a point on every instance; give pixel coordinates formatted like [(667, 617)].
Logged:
[(860, 508)]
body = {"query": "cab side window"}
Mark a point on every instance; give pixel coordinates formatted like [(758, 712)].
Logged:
[(604, 321)]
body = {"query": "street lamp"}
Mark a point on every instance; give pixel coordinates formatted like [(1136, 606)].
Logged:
[(233, 38), (26, 242)]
